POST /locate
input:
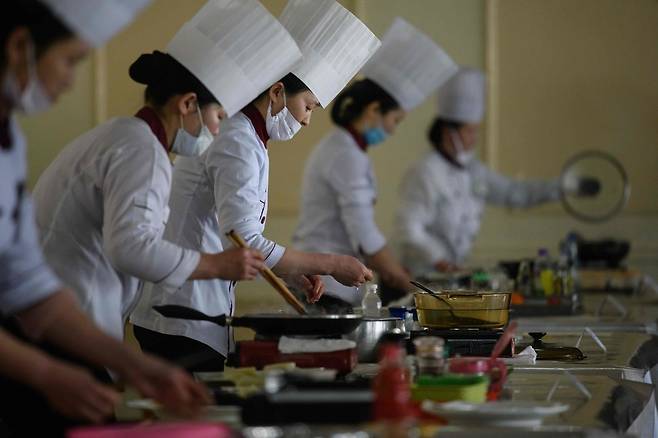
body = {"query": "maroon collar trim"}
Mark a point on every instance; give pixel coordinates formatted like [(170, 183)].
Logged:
[(257, 121), (358, 138), (151, 118)]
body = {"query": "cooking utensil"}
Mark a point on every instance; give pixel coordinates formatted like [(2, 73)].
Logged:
[(431, 292), (464, 320), (505, 339), (271, 277), (546, 351), (472, 342), (272, 324), (368, 334), (604, 171), (466, 309), (603, 253), (447, 280)]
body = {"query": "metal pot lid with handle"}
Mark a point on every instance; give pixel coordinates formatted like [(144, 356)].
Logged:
[(595, 186)]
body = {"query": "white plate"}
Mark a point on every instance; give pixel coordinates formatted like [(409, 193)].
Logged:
[(499, 413)]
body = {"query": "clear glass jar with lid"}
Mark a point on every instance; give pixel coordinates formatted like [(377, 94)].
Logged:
[(430, 355)]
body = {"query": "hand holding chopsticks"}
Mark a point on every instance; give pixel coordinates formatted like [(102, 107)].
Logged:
[(271, 277)]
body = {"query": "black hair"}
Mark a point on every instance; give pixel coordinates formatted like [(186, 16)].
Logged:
[(44, 27), (435, 133), (351, 102), (165, 77), (291, 86)]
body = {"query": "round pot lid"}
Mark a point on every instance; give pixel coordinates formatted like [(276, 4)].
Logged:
[(604, 177)]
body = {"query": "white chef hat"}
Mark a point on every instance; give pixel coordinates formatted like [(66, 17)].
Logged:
[(236, 48), (96, 21), (462, 97), (409, 65), (334, 44)]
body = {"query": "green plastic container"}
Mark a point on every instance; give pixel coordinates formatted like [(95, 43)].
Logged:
[(451, 387)]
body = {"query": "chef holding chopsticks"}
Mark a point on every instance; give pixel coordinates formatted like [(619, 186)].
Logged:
[(226, 188), (339, 187), (443, 194), (101, 206)]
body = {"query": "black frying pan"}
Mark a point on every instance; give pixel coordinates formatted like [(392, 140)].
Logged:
[(273, 324)]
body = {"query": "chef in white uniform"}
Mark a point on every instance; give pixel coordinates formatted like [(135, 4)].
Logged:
[(444, 193), (227, 187), (101, 206), (339, 188), (46, 363)]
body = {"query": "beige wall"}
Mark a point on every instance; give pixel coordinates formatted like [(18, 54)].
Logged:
[(564, 75), (74, 114), (568, 76)]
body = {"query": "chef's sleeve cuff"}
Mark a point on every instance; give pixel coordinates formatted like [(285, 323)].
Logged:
[(186, 266), (28, 289), (273, 256)]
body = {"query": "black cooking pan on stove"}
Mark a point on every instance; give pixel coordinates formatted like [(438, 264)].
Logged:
[(273, 324)]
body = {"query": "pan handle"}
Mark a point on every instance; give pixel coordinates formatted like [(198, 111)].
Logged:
[(182, 312)]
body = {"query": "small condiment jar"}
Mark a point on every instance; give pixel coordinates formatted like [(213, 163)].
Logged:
[(430, 355)]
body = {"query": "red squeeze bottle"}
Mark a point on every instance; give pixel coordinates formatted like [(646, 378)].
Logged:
[(391, 386)]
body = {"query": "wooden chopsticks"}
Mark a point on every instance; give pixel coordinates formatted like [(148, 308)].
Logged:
[(271, 277)]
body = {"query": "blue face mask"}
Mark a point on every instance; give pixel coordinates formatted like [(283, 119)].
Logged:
[(375, 136)]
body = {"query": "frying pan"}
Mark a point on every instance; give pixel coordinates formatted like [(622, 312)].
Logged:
[(276, 324)]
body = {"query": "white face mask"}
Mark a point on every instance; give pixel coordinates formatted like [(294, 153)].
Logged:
[(187, 145), (34, 98), (282, 126), (462, 156)]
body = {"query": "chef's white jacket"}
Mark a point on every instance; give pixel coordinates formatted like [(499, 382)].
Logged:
[(441, 207), (226, 188), (101, 207), (337, 215), (25, 278)]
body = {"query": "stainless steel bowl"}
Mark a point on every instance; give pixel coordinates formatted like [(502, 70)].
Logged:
[(367, 335)]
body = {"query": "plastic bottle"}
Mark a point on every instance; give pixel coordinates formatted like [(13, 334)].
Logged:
[(572, 258), (409, 325), (392, 385), (543, 273), (561, 277), (371, 303), (524, 280)]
